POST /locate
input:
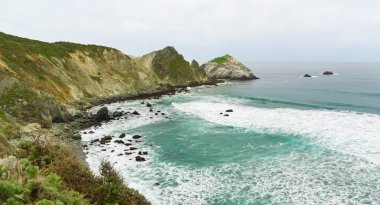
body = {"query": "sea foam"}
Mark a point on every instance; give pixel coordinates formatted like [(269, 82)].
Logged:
[(344, 131)]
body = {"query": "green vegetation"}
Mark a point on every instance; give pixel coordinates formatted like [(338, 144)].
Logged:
[(169, 64), (52, 174), (14, 45), (222, 59)]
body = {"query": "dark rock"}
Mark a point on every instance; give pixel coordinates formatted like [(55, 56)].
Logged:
[(91, 132), (143, 153), (328, 73), (128, 153), (307, 76), (76, 137), (158, 111), (85, 145), (137, 141), (150, 110), (139, 158), (229, 110), (132, 148), (95, 140), (162, 113), (84, 132), (119, 108), (112, 150), (117, 114), (156, 184), (105, 139), (128, 144), (119, 141), (143, 102), (221, 113), (102, 114), (103, 150), (226, 115), (135, 113), (122, 135), (136, 136), (148, 105), (155, 113), (121, 154)]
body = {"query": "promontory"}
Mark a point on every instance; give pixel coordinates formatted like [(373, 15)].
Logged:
[(227, 67)]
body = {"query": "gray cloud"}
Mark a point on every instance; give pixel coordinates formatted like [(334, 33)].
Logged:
[(307, 30)]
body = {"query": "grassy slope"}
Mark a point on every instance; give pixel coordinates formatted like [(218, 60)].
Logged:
[(66, 72), (221, 59)]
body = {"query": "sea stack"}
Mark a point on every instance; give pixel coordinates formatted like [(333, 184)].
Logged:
[(328, 73), (227, 67)]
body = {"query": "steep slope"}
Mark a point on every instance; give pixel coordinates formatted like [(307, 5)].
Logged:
[(227, 67), (38, 78)]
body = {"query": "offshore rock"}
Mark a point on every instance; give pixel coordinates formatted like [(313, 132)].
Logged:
[(227, 67)]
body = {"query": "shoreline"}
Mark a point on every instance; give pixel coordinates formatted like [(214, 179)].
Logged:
[(69, 132)]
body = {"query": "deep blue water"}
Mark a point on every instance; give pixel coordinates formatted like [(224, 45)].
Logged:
[(289, 139)]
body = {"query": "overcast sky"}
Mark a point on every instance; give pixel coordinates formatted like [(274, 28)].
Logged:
[(251, 30)]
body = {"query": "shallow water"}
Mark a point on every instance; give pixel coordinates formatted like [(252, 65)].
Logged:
[(289, 140)]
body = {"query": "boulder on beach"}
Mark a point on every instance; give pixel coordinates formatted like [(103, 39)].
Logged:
[(229, 110), (136, 136), (139, 158), (119, 141), (328, 73), (135, 113), (307, 76), (117, 114), (122, 135), (102, 114)]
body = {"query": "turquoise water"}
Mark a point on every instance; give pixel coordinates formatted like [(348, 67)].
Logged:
[(289, 140)]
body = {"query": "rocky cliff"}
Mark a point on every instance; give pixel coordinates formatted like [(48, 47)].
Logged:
[(227, 67), (38, 80)]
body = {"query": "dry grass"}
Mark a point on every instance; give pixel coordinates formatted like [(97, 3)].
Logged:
[(5, 147)]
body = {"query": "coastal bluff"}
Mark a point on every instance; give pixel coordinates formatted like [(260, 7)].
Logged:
[(227, 67), (40, 81)]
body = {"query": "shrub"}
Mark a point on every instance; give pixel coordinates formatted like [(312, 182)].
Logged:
[(63, 169)]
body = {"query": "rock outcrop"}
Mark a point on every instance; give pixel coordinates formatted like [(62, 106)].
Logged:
[(227, 67)]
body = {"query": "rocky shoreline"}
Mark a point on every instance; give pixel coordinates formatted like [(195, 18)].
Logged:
[(70, 132)]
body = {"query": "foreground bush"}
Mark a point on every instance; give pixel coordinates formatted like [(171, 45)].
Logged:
[(52, 174)]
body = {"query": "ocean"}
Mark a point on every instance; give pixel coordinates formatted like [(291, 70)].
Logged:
[(289, 139)]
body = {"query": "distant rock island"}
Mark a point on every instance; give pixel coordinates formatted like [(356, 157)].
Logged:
[(227, 67), (328, 73)]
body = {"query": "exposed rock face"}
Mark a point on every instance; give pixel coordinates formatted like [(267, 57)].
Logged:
[(102, 114), (227, 67)]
